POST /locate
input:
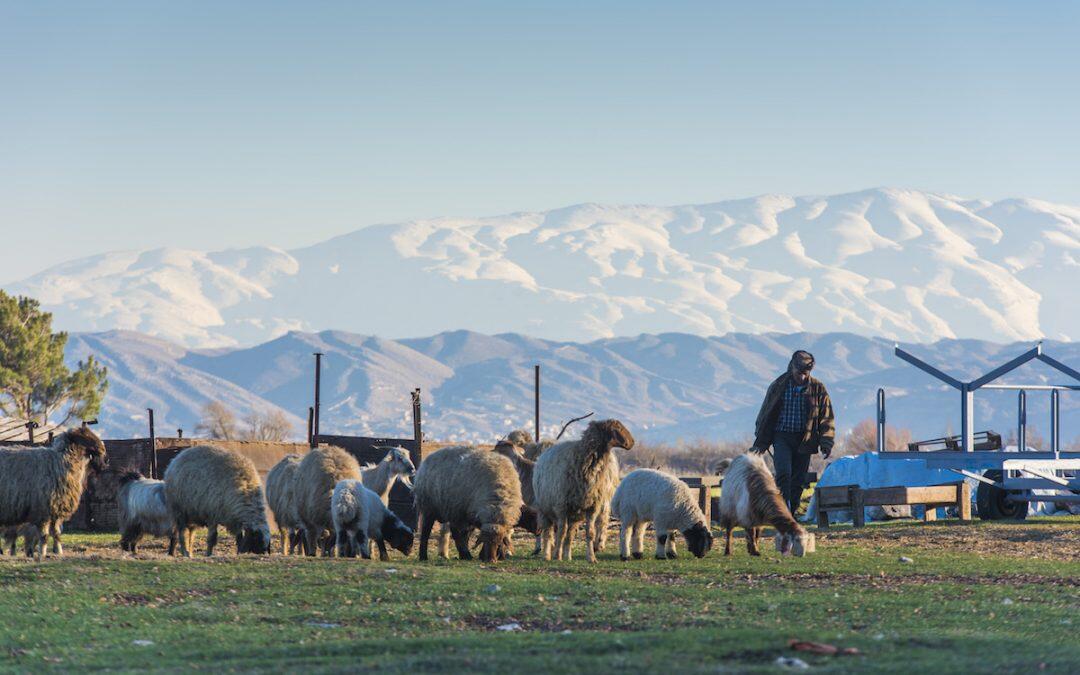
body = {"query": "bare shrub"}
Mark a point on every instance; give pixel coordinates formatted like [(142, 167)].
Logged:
[(684, 458)]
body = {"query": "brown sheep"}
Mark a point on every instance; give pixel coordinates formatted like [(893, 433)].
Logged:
[(318, 473)]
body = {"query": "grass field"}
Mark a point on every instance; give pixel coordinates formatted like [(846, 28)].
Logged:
[(976, 598)]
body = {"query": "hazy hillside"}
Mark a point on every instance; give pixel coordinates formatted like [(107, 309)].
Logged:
[(477, 387)]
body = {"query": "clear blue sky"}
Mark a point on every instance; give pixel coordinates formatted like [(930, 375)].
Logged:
[(207, 125)]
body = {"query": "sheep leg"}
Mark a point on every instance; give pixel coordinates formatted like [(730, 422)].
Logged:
[(560, 534), (603, 517), (461, 541), (211, 539), (624, 544), (671, 553), (590, 537), (172, 543), (364, 544), (130, 537), (728, 527), (638, 543), (547, 541), (383, 556), (181, 531), (57, 546), (444, 541), (328, 545), (425, 524), (751, 541), (344, 550), (661, 543), (10, 539)]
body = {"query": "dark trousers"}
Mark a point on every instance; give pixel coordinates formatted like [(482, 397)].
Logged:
[(791, 466)]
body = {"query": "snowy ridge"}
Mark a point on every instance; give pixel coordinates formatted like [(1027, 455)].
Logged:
[(899, 264)]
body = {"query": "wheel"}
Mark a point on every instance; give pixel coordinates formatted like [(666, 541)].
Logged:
[(992, 501)]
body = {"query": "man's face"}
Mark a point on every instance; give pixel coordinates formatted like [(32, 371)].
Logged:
[(800, 376)]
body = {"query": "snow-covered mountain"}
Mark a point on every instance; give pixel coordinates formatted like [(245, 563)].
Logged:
[(898, 264), (478, 387)]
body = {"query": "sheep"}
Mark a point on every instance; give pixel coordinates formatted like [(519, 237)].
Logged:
[(647, 495), (281, 497), (465, 488), (42, 486), (380, 477), (360, 517), (573, 483), (28, 533), (524, 468), (143, 510), (211, 486), (750, 499), (319, 471)]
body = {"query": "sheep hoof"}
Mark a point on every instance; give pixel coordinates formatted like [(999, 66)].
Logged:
[(756, 553), (638, 555), (624, 558), (672, 555), (661, 556)]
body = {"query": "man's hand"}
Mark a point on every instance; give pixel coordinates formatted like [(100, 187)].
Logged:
[(758, 451), (826, 453)]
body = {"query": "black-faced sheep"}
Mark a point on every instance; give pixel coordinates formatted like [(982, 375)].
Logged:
[(381, 476), (143, 510), (466, 488), (281, 497), (212, 486), (650, 496), (40, 486), (319, 471), (574, 482), (750, 499), (360, 517)]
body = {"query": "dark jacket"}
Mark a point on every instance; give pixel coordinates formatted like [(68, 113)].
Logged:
[(820, 430)]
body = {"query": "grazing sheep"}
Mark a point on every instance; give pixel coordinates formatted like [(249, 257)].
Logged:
[(211, 486), (319, 471), (41, 486), (750, 499), (650, 496), (465, 488), (380, 477), (143, 510), (360, 517), (281, 497), (573, 482)]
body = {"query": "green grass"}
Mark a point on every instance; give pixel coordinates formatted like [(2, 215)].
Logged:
[(949, 610)]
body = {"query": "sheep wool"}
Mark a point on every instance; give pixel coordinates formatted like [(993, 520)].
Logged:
[(360, 517), (143, 510), (281, 497), (206, 485), (41, 487), (319, 472), (574, 482), (750, 499), (466, 488), (649, 496)]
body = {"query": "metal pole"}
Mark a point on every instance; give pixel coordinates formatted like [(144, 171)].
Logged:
[(318, 386), (1021, 421), (153, 444), (1055, 422), (881, 420), (536, 398), (967, 417), (311, 427), (417, 421)]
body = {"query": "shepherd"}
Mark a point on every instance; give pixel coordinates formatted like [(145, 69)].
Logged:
[(796, 419)]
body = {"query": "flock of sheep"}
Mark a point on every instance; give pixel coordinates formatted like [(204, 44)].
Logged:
[(327, 502)]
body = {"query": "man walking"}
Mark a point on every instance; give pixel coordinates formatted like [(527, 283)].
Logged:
[(796, 419)]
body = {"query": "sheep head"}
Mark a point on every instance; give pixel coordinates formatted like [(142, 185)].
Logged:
[(699, 540), (609, 434), (253, 540), (84, 441), (494, 541), (797, 543), (397, 533), (402, 464)]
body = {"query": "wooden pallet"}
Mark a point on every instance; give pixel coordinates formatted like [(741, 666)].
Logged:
[(855, 499), (703, 485)]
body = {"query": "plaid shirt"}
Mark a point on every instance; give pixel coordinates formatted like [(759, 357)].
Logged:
[(792, 409)]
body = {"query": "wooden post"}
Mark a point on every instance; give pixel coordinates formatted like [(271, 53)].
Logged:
[(705, 501), (536, 398), (318, 386), (153, 444), (311, 427), (929, 513), (858, 510), (822, 514), (963, 501), (417, 425)]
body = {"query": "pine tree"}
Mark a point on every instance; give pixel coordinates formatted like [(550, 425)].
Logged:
[(35, 383)]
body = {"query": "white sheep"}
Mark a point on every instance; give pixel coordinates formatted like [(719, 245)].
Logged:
[(143, 510), (360, 517), (211, 486), (651, 496), (573, 482), (281, 497), (381, 476), (42, 486), (750, 499)]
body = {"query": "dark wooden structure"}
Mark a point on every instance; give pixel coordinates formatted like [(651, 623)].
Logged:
[(855, 499)]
